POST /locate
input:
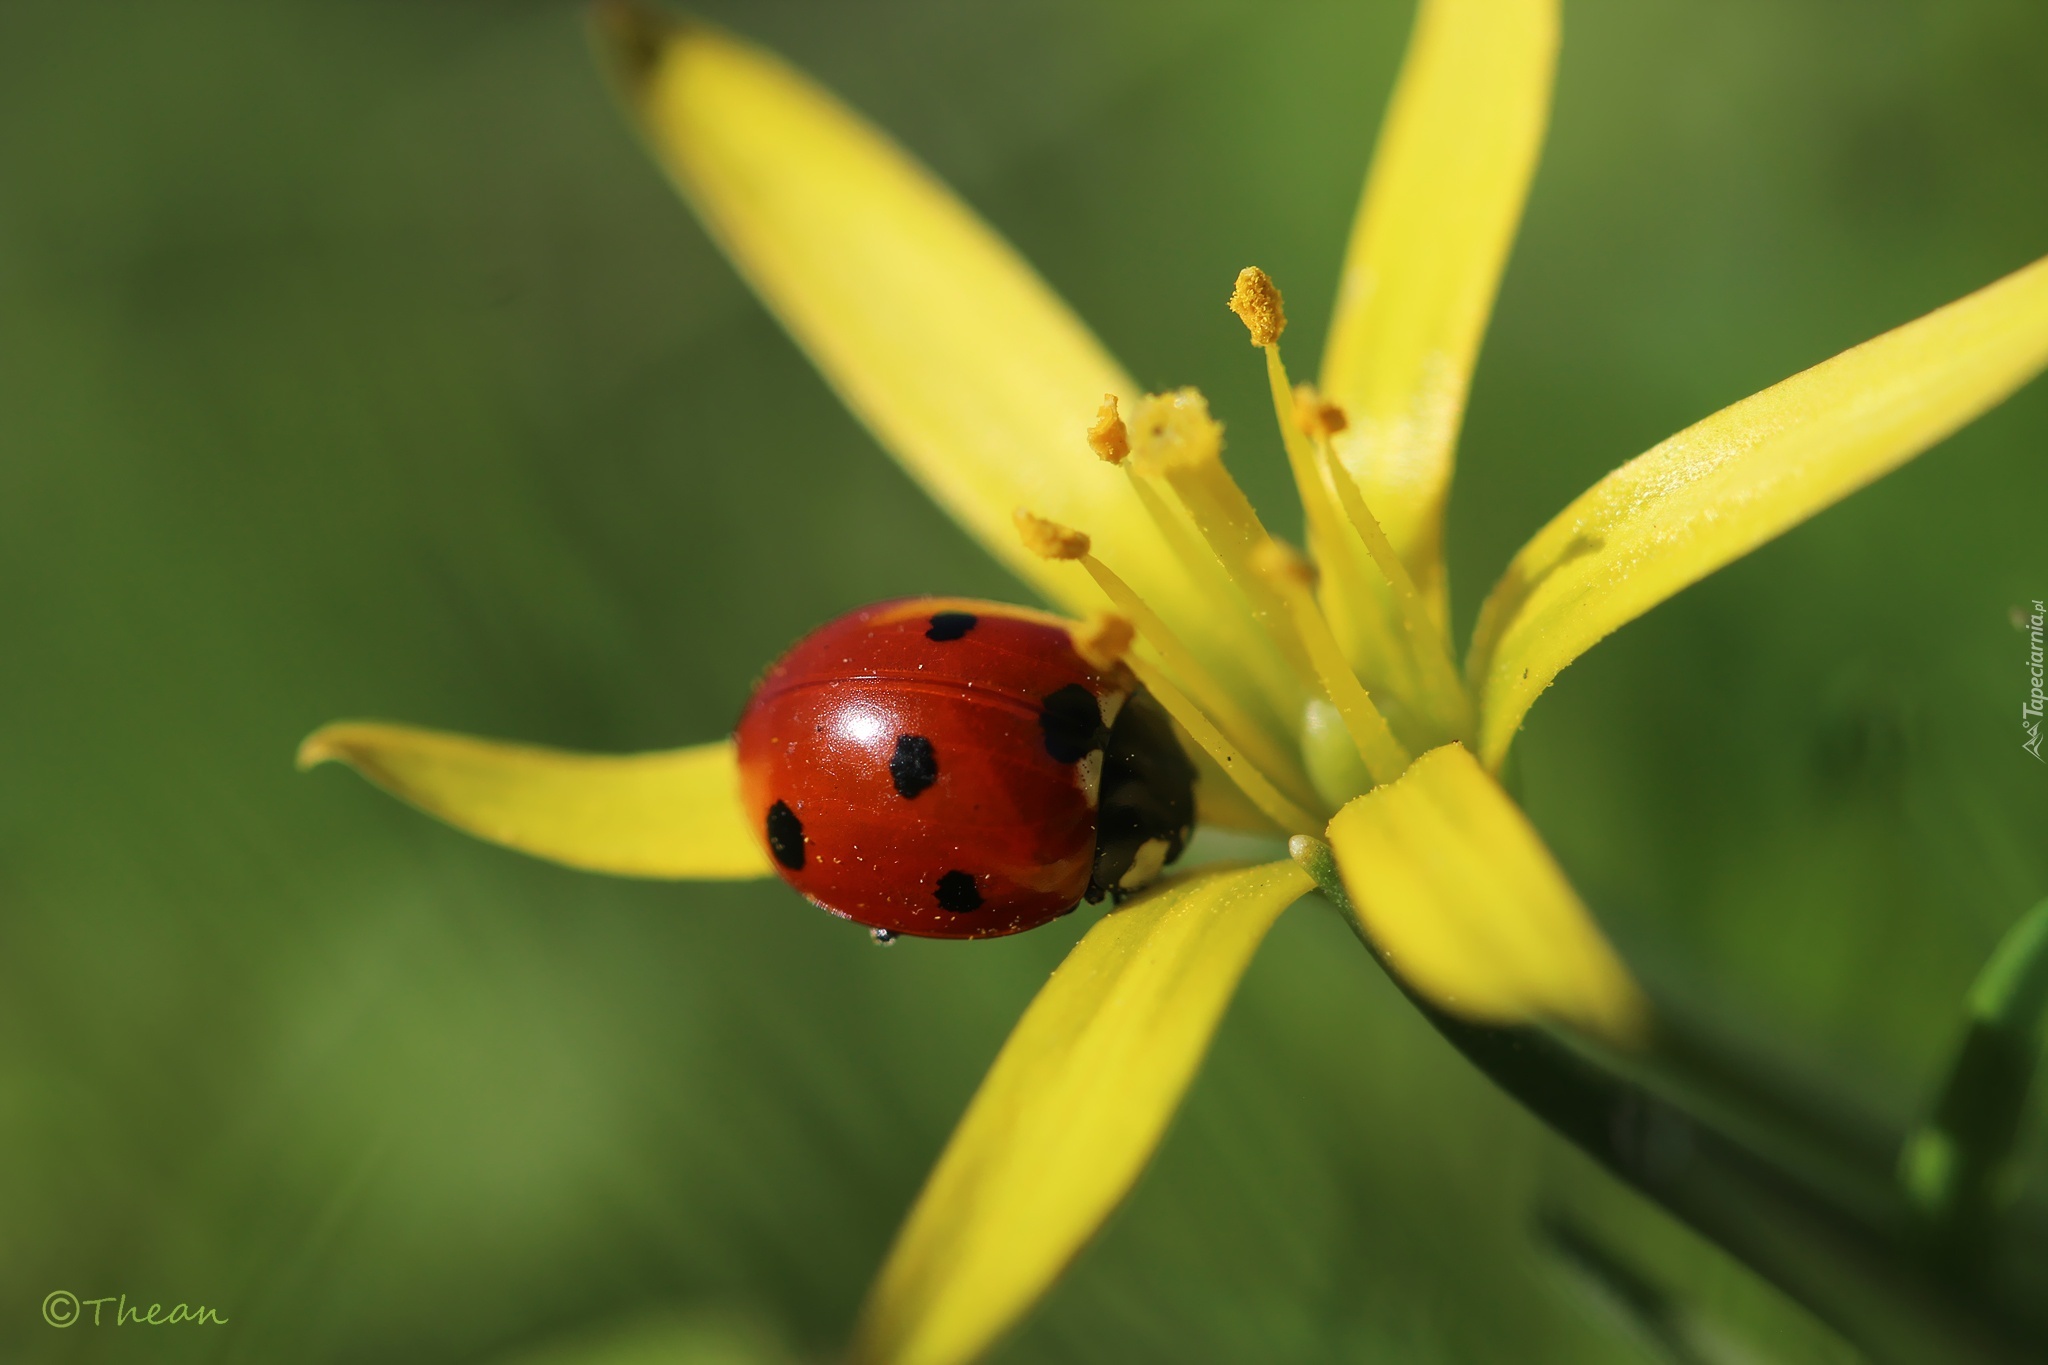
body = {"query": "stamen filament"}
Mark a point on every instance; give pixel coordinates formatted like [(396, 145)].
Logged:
[(1348, 582), (1227, 521), (1214, 700), (1254, 784), (1176, 440), (1263, 665), (1367, 525), (1425, 640), (1385, 756), (1048, 539), (1347, 589), (1325, 525)]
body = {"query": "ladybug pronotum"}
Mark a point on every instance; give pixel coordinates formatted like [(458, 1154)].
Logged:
[(956, 769)]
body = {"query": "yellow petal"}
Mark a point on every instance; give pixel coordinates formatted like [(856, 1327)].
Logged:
[(675, 813), (961, 360), (1455, 886), (1724, 486), (1069, 1114), (1455, 156)]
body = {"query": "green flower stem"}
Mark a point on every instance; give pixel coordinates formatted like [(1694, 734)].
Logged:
[(1837, 1246), (1770, 1112)]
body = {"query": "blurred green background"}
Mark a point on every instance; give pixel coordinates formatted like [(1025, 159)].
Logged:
[(354, 360)]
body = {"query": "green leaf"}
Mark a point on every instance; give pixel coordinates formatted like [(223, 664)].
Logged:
[(1951, 1166)]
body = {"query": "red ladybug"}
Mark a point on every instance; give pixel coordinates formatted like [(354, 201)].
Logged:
[(955, 769)]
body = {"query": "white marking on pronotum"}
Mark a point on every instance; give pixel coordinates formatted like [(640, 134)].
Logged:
[(1088, 772)]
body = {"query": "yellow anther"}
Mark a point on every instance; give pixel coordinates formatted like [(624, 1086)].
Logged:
[(1256, 301), (1315, 414), (1107, 437), (1174, 431), (1048, 539), (1103, 640), (1284, 565)]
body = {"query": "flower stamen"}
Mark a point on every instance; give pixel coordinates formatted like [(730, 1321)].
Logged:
[(1275, 806), (1175, 440), (1108, 437), (1256, 301), (1348, 589), (1425, 642), (1385, 757), (1316, 415), (1050, 540)]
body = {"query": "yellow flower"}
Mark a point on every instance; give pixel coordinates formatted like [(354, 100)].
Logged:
[(1322, 703)]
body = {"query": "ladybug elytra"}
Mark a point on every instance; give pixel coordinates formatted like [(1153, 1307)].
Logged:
[(956, 769)]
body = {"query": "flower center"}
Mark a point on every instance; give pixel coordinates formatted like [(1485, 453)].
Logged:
[(1335, 739)]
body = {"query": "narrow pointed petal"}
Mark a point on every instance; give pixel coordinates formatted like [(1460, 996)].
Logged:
[(1069, 1114), (1441, 204), (1724, 486), (1457, 889), (673, 813), (969, 370)]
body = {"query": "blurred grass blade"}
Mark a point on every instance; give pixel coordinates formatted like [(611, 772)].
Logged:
[(1455, 157), (1950, 1166), (967, 367), (672, 813), (1069, 1114), (1724, 486), (1458, 891)]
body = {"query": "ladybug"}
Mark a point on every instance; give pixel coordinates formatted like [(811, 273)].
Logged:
[(955, 769)]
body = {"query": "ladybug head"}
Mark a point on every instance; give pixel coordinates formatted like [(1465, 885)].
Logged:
[(1147, 805)]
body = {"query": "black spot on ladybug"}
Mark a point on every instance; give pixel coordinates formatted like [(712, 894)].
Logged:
[(951, 625), (1072, 721), (957, 892), (786, 837), (913, 766)]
